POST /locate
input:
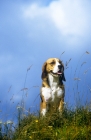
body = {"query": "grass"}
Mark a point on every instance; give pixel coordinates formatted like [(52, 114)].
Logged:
[(72, 125)]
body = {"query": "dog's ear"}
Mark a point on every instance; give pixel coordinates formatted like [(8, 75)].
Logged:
[(63, 77), (44, 73)]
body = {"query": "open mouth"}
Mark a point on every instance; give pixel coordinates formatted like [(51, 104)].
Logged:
[(57, 73)]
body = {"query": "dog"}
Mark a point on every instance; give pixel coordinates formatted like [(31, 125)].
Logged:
[(52, 90)]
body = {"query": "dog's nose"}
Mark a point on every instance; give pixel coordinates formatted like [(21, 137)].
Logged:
[(59, 66)]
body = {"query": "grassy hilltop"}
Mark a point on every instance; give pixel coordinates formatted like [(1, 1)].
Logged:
[(72, 125)]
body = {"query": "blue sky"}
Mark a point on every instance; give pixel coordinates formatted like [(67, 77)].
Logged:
[(30, 33)]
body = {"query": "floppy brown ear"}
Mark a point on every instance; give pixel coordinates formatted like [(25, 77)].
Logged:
[(44, 73)]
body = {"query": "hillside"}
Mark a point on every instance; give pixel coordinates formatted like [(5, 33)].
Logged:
[(72, 125)]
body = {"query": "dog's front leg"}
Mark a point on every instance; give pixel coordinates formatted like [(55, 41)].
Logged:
[(60, 95), (61, 106), (43, 107), (45, 97)]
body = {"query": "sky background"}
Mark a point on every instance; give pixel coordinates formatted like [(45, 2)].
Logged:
[(31, 31)]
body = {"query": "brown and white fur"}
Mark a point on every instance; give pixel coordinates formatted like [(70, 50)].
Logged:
[(52, 90)]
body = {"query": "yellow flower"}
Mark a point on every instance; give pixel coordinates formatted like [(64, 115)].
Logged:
[(30, 137), (36, 121)]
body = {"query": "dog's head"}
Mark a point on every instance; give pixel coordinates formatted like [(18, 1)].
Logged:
[(55, 67)]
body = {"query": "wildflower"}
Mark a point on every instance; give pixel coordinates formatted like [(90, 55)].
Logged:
[(36, 121), (30, 137)]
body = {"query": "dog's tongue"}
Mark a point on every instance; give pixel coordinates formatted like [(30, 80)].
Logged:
[(59, 72)]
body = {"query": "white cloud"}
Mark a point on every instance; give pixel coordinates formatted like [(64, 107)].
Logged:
[(34, 10), (68, 16)]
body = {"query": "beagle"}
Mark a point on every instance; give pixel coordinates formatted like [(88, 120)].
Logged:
[(52, 90)]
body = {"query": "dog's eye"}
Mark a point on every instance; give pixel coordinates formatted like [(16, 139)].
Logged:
[(52, 63)]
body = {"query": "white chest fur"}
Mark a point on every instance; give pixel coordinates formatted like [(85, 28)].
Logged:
[(54, 93), (53, 81)]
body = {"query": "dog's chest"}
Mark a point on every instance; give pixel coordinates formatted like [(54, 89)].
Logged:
[(53, 81), (56, 91)]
